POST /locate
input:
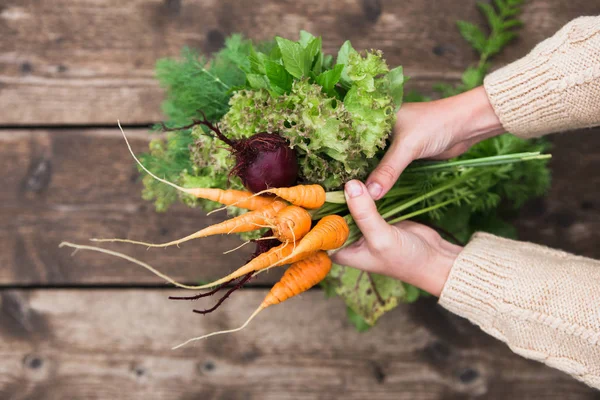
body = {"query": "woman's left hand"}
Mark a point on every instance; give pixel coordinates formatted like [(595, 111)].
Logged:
[(408, 251)]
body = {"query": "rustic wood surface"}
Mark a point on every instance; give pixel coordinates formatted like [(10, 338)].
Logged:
[(88, 62), (115, 344), (75, 184), (81, 63)]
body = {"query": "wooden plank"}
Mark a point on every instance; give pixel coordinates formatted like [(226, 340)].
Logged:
[(568, 218), (115, 344), (88, 62), (76, 184)]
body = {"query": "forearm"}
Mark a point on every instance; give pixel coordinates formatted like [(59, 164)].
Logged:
[(544, 303), (554, 88)]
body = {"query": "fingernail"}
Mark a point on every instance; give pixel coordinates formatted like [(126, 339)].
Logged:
[(353, 189), (375, 190)]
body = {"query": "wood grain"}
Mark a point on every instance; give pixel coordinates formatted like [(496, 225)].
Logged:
[(568, 218), (102, 344), (87, 62), (76, 184), (79, 183)]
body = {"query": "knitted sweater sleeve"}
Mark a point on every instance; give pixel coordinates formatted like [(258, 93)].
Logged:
[(544, 303), (556, 87)]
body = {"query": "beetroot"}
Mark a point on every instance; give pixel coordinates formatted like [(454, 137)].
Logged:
[(263, 161)]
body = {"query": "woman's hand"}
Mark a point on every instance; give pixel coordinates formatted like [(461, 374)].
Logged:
[(407, 251), (439, 129)]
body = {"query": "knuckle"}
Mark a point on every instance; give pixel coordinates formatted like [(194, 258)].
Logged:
[(387, 172), (382, 244), (361, 216)]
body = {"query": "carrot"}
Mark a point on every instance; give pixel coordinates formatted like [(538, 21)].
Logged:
[(300, 277), (268, 259), (240, 198), (330, 233), (250, 221), (307, 196), (291, 224)]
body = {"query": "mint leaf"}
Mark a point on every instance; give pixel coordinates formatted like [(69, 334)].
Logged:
[(305, 38), (275, 54), (312, 49), (328, 79), (257, 60), (472, 34), (327, 61), (396, 85), (294, 57), (281, 80), (318, 64), (257, 81)]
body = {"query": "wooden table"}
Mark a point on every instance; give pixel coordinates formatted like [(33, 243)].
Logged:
[(92, 327)]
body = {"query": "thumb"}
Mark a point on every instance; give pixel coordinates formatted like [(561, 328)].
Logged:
[(388, 171), (364, 211)]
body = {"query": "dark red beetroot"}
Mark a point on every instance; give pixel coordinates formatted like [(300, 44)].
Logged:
[(264, 160)]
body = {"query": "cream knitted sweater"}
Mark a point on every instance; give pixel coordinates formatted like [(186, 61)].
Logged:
[(544, 303)]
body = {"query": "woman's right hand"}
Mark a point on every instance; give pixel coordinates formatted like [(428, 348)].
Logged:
[(438, 129)]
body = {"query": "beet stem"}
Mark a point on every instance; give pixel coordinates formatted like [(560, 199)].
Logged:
[(214, 128), (222, 299), (201, 295)]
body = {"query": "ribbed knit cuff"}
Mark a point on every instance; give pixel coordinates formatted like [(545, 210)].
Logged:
[(475, 288), (525, 98)]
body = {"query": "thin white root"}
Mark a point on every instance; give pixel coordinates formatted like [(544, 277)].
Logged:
[(289, 225), (166, 182), (171, 243), (262, 226), (216, 210), (237, 248), (259, 309), (266, 238), (133, 260)]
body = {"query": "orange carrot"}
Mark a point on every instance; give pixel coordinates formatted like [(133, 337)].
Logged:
[(267, 259), (330, 233), (291, 224), (300, 277), (250, 221), (307, 196), (240, 198)]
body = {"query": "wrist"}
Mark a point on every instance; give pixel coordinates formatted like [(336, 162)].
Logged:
[(475, 119), (436, 273)]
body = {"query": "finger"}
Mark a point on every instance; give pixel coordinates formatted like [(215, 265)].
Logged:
[(356, 255), (395, 160), (363, 210)]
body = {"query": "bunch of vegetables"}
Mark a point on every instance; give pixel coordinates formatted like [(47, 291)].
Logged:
[(272, 131)]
